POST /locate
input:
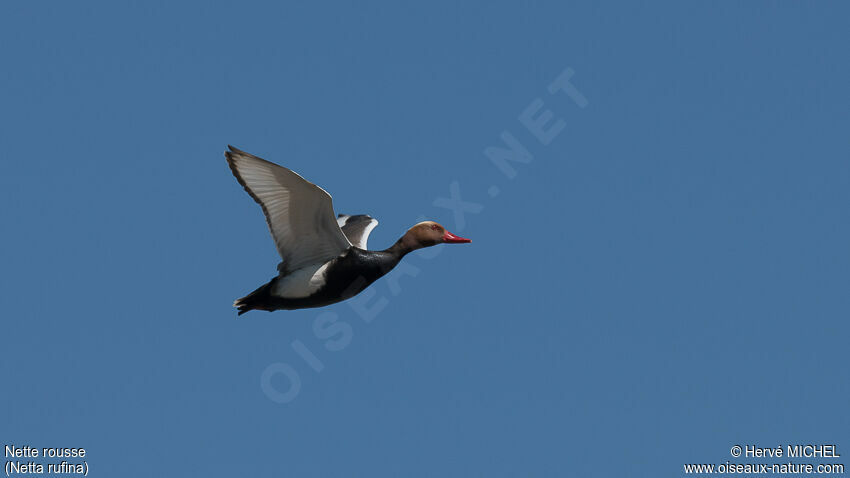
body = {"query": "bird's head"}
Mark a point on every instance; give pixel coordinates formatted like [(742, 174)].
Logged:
[(429, 233)]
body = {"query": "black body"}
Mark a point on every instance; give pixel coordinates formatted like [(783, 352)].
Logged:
[(347, 276)]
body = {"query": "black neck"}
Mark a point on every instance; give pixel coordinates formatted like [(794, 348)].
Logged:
[(399, 249)]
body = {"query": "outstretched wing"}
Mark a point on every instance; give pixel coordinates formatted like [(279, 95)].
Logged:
[(357, 228), (300, 214)]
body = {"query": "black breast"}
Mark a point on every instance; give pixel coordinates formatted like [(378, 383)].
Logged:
[(346, 277)]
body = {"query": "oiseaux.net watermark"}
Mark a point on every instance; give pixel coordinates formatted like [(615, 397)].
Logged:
[(281, 381)]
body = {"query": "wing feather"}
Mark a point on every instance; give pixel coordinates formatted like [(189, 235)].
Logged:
[(357, 228), (299, 214)]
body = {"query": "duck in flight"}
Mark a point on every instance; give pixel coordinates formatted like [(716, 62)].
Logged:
[(325, 259)]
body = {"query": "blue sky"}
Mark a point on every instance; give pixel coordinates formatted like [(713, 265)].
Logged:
[(666, 278)]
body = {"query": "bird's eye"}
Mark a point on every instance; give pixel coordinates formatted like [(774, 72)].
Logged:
[(435, 227)]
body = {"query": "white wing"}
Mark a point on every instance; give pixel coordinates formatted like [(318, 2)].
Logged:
[(300, 214), (357, 228)]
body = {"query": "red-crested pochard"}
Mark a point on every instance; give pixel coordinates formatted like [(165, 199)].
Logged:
[(324, 257)]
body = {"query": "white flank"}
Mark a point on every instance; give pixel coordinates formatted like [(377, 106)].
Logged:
[(302, 283)]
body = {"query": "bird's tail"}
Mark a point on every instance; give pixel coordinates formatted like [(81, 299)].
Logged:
[(257, 300)]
